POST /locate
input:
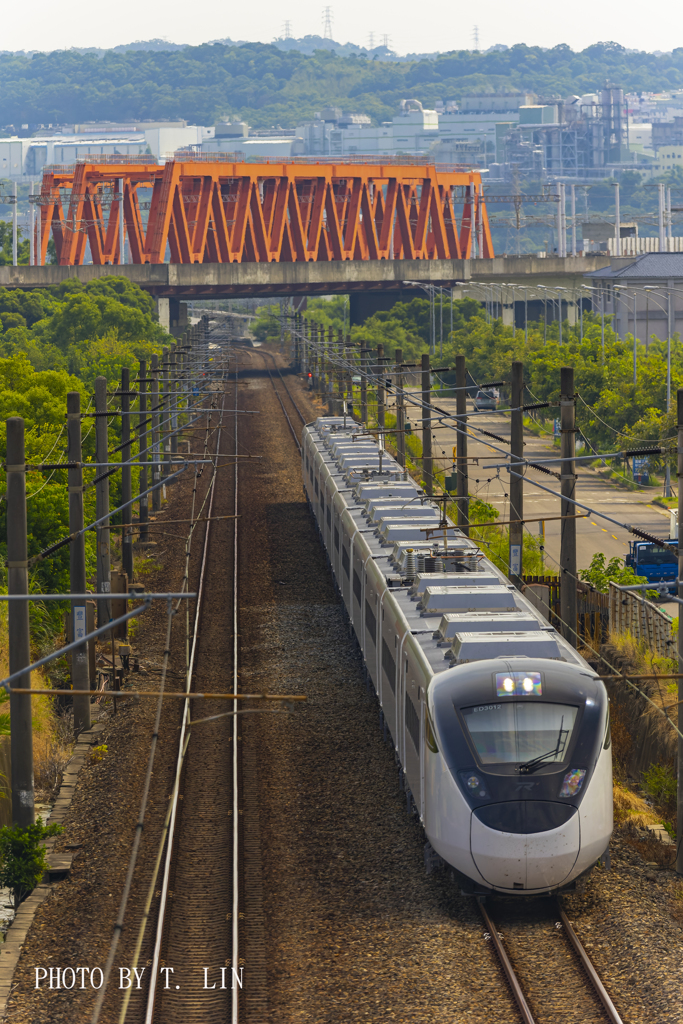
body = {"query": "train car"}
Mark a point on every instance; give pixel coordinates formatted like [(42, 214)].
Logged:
[(500, 727)]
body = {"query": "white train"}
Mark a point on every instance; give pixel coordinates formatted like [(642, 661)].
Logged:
[(501, 728)]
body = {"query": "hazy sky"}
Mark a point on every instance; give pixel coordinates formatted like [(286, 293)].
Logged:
[(440, 25)]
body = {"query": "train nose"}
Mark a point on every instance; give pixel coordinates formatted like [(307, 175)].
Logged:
[(525, 844)]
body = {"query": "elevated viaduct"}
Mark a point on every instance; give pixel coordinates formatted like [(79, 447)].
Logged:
[(503, 281)]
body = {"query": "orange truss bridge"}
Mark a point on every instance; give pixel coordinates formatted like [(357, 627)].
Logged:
[(216, 211)]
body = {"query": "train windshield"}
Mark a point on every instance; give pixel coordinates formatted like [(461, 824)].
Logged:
[(522, 732)]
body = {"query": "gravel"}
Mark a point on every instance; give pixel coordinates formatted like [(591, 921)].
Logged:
[(356, 931)]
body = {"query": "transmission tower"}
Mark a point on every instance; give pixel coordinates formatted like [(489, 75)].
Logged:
[(475, 37), (385, 41), (327, 22), (287, 30), (371, 40)]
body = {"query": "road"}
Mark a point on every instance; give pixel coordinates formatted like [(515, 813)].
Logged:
[(489, 480)]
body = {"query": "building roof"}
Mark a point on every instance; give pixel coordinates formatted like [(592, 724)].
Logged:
[(649, 265)]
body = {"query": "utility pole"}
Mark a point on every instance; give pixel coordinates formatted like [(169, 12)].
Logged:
[(80, 670), (21, 725), (617, 221), (363, 384), (427, 468), (102, 501), (380, 387), (679, 817), (165, 414), (573, 208), (122, 229), (15, 239), (516, 481), (462, 476), (126, 477), (156, 468), (143, 457), (173, 404), (400, 410), (662, 237), (568, 603)]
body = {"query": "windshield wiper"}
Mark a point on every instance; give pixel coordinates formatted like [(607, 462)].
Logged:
[(537, 762)]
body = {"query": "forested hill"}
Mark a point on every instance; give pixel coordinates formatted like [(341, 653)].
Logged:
[(268, 86)]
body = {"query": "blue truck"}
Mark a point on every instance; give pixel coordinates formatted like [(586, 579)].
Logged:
[(658, 563)]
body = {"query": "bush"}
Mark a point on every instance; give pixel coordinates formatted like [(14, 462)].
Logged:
[(22, 858), (660, 783)]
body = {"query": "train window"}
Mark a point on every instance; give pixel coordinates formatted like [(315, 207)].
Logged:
[(345, 561), (430, 735), (521, 733), (370, 622), (336, 538), (389, 665), (608, 732), (412, 722), (356, 585), (329, 518), (316, 486)]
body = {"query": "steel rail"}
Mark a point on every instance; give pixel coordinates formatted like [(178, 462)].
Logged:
[(154, 971), (602, 994), (289, 422), (234, 1012), (508, 969), (284, 384), (511, 977)]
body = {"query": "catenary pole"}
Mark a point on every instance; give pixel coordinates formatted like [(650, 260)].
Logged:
[(126, 477), (21, 727), (173, 407), (364, 384), (380, 387), (156, 459), (427, 466), (516, 477), (462, 480), (143, 431), (568, 603), (102, 502), (80, 670), (15, 237), (679, 815), (400, 410)]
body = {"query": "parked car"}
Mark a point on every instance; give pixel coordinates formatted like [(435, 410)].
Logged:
[(485, 400)]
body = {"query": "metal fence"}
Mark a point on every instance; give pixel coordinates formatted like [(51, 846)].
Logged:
[(631, 613)]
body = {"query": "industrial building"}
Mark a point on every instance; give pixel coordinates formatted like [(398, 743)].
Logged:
[(581, 137)]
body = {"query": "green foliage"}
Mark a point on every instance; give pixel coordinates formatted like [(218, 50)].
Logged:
[(54, 341), (495, 540), (599, 574), (22, 858), (6, 253), (660, 783), (266, 85)]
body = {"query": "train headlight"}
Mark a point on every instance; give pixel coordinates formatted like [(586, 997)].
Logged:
[(474, 785), (520, 684), (572, 782)]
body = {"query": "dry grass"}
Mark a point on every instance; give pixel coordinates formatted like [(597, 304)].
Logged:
[(638, 659), (633, 813), (52, 734)]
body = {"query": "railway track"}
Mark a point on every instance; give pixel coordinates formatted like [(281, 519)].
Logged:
[(543, 937), (211, 882), (196, 933), (296, 408)]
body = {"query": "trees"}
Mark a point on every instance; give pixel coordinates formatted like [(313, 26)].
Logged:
[(267, 85)]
